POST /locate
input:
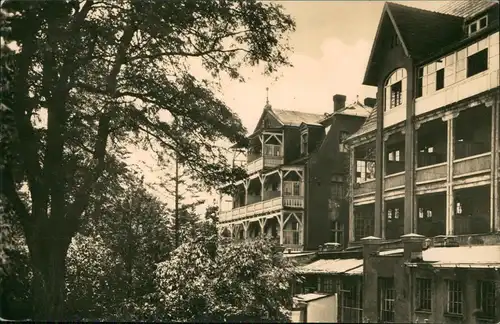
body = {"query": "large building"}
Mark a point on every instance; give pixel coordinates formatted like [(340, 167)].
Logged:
[(427, 158), (296, 164)]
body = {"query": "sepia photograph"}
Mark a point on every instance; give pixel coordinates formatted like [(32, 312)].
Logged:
[(250, 161)]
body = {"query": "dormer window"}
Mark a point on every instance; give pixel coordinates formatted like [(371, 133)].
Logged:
[(304, 138), (395, 89), (477, 25)]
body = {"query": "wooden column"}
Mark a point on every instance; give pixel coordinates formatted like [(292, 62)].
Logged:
[(383, 170), (281, 225), (450, 156), (352, 180), (495, 165), (379, 162), (415, 201), (409, 175)]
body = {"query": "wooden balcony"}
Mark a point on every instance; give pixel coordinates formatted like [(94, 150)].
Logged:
[(364, 188), (472, 165), (394, 181), (432, 173), (265, 162), (261, 207)]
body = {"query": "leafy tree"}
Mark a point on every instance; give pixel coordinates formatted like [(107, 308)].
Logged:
[(99, 71), (211, 280)]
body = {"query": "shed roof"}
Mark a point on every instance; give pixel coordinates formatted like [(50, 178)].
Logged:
[(368, 126), (335, 266), (463, 256), (310, 296)]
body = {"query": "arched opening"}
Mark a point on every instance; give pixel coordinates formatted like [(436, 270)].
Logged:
[(395, 89)]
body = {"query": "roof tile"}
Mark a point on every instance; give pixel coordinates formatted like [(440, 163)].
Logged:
[(295, 118), (466, 8)]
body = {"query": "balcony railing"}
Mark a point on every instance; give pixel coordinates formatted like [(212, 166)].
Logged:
[(394, 180), (261, 163), (472, 164), (261, 207), (363, 188), (432, 173)]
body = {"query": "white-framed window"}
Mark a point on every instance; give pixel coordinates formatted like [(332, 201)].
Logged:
[(477, 25), (395, 89), (458, 208), (477, 63), (291, 232), (327, 285), (304, 142), (351, 301), (394, 156), (365, 170), (342, 137), (454, 297)]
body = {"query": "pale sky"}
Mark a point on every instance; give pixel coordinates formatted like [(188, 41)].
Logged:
[(331, 46)]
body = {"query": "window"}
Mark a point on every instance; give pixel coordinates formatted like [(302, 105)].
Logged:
[(420, 82), (394, 156), (395, 41), (477, 63), (396, 213), (486, 299), (477, 25), (429, 213), (458, 208), (351, 301), (291, 232), (424, 294), (363, 226), (394, 88), (396, 94), (389, 214), (420, 213), (440, 79), (387, 298), (337, 190), (454, 297), (342, 138), (304, 143), (327, 285), (337, 232), (365, 170), (272, 150), (292, 188)]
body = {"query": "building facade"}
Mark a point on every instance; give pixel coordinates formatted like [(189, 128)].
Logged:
[(292, 192), (427, 158)]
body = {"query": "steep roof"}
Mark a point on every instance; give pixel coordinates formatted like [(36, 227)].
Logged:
[(466, 8), (421, 33), (425, 31), (355, 109), (368, 126), (295, 118)]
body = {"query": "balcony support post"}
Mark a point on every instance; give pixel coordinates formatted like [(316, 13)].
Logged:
[(415, 163), (352, 180), (245, 224), (383, 169), (449, 118), (281, 226), (262, 223), (495, 165)]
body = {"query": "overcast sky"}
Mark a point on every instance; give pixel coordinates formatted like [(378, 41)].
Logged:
[(331, 45)]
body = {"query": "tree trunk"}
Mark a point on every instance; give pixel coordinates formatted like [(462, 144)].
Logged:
[(49, 270)]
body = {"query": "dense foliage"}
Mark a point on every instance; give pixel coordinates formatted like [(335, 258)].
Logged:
[(90, 79)]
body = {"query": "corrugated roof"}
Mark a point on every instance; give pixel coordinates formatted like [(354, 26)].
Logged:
[(482, 255), (465, 8), (333, 266), (423, 31), (368, 126), (295, 118)]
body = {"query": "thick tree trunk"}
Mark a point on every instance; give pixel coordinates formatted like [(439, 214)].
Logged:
[(49, 270)]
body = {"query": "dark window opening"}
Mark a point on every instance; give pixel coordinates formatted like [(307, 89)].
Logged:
[(486, 299), (477, 63), (420, 82), (396, 94), (440, 79), (483, 22), (473, 28), (424, 294), (387, 299), (304, 146)]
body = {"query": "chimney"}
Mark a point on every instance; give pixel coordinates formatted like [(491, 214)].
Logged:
[(370, 102), (413, 245), (338, 102)]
